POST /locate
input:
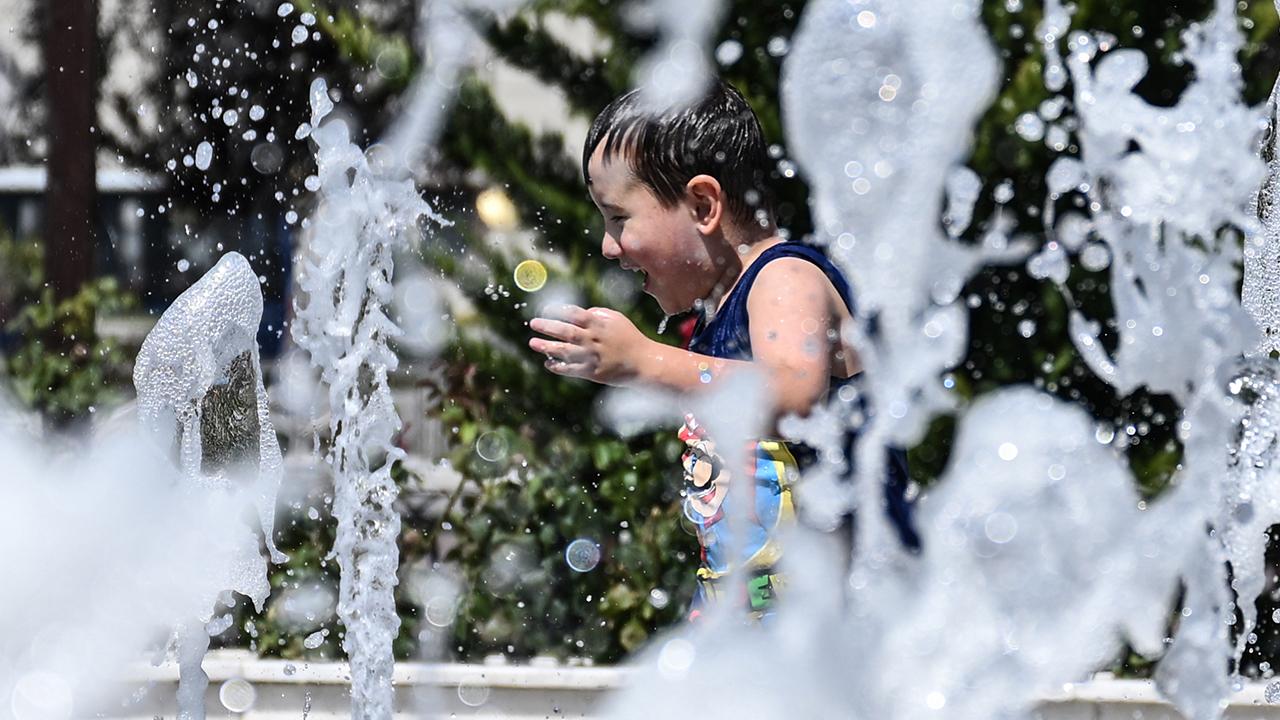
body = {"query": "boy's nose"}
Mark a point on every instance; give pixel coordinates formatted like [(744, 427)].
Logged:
[(610, 248)]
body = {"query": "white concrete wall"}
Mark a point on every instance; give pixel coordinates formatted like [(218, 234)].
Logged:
[(284, 688)]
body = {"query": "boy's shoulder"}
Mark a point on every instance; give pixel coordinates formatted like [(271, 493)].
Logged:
[(792, 281)]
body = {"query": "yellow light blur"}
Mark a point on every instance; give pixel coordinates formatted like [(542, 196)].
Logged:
[(531, 275), (496, 210)]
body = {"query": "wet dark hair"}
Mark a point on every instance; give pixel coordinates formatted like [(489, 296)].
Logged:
[(718, 135)]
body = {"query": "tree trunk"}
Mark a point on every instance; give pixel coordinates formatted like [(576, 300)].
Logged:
[(71, 65)]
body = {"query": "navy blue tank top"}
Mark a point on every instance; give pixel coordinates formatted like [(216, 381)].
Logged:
[(727, 335)]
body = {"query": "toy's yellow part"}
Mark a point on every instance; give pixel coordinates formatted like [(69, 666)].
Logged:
[(531, 275)]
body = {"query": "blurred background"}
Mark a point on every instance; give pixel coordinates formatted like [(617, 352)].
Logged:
[(141, 140)]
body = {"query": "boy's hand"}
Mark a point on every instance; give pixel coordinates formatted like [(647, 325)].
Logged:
[(598, 344)]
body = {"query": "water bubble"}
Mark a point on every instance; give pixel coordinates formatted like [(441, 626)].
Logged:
[(307, 19), (237, 695), (299, 35), (1065, 174), (582, 555), (675, 658), (1003, 192), (472, 693), (728, 52), (491, 446), (1095, 257), (440, 611), (390, 63), (1027, 328), (256, 113), (311, 183), (267, 158), (184, 265), (303, 608), (290, 669), (1007, 451), (291, 217), (1057, 138), (321, 103), (204, 155), (315, 639), (935, 700), (303, 131), (193, 80), (284, 9), (1104, 434), (1000, 527), (1029, 127), (41, 696), (659, 598), (778, 46), (230, 117), (530, 275)]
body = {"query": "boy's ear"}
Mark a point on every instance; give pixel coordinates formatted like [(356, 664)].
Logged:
[(706, 200)]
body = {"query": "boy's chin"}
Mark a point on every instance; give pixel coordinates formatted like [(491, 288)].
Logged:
[(668, 306)]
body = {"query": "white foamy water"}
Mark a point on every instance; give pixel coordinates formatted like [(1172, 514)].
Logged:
[(1038, 558), (106, 551), (678, 69), (205, 342), (1262, 254), (345, 284)]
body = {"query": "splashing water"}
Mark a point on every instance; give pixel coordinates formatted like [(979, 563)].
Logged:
[(200, 392), (362, 219), (1261, 294), (678, 69), (1037, 556)]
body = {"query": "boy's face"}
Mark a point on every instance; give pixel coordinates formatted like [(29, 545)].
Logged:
[(664, 243)]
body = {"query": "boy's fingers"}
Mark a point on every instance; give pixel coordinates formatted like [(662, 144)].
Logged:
[(557, 329), (566, 313), (558, 350), (561, 367)]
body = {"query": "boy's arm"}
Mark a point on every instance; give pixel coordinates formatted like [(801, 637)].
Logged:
[(791, 316)]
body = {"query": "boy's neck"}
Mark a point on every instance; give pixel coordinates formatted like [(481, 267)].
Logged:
[(740, 254)]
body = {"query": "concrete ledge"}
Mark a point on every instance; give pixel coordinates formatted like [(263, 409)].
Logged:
[(318, 691)]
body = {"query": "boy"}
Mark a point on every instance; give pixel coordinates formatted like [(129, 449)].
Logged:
[(684, 199)]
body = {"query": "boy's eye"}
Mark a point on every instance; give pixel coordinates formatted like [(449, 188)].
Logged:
[(618, 218)]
